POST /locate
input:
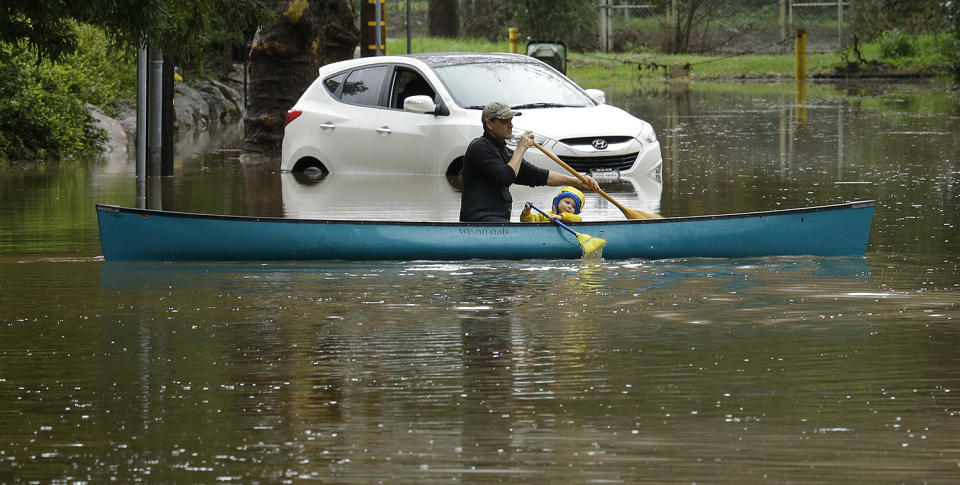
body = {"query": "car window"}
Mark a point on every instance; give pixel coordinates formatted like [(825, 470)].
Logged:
[(363, 86), (333, 83), (517, 84), (406, 83)]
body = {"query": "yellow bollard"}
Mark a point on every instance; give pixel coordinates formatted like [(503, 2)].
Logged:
[(513, 39), (801, 53), (801, 77), (800, 99)]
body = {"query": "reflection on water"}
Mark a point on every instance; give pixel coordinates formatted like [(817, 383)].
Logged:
[(436, 198), (707, 370), (812, 370)]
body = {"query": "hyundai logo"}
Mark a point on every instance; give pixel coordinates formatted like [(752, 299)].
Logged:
[(599, 144)]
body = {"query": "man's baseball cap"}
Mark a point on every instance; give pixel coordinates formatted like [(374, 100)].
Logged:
[(498, 111)]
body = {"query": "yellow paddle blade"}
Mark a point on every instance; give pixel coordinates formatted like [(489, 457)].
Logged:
[(590, 244)]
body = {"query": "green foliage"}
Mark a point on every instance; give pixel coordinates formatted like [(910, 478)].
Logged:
[(953, 45), (192, 31), (178, 27), (895, 43), (871, 18), (561, 20), (42, 114), (593, 69), (45, 26), (49, 67), (105, 73), (930, 54), (571, 21), (441, 44)]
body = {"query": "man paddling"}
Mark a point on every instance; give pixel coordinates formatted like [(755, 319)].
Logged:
[(489, 169)]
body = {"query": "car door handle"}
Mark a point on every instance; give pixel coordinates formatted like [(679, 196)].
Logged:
[(384, 130), (327, 126)]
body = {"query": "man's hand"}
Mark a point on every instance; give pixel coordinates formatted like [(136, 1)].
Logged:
[(526, 141), (591, 184)]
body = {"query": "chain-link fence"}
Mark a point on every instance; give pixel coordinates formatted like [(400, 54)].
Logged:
[(681, 26), (721, 26)]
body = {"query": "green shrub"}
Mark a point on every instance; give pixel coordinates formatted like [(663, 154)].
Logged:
[(42, 114), (895, 44), (953, 45), (106, 72)]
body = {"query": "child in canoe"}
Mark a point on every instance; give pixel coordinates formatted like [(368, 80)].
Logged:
[(567, 205)]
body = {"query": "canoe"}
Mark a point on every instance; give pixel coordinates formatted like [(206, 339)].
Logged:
[(128, 234)]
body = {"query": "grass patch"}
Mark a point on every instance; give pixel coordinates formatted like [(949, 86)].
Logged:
[(443, 44), (929, 57)]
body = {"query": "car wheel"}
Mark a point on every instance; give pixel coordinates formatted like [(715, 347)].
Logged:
[(310, 165), (455, 167)]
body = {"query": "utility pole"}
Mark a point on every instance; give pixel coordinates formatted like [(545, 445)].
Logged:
[(373, 28), (142, 126), (154, 111), (155, 124), (605, 25)]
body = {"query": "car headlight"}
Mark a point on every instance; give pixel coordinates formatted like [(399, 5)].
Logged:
[(647, 135), (541, 140)]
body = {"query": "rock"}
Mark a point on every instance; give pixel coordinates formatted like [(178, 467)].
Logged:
[(127, 118), (191, 109), (117, 141), (115, 147), (208, 103)]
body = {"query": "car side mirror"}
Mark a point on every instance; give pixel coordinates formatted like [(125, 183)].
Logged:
[(597, 95), (419, 104)]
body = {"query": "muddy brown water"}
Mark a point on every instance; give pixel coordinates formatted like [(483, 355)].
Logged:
[(802, 370)]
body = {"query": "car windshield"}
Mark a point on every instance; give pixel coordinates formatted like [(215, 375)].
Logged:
[(520, 85)]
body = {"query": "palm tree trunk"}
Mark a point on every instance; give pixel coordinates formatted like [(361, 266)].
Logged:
[(284, 58)]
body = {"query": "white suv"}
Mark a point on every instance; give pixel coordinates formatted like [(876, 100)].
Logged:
[(415, 114)]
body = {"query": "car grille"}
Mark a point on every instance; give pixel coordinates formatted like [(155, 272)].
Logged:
[(585, 164), (587, 140)]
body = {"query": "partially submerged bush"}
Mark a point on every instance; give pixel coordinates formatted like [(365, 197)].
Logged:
[(42, 114), (895, 44)]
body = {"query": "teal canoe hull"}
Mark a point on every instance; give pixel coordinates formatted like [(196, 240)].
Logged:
[(128, 234)]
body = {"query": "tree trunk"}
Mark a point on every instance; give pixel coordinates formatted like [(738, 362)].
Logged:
[(487, 19), (443, 18), (284, 58)]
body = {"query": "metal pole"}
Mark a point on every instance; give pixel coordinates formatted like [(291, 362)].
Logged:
[(783, 25), (409, 50), (609, 26), (155, 112), (839, 23), (142, 127), (675, 25), (603, 25), (379, 18)]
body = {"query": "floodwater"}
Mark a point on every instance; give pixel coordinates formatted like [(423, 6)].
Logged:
[(799, 370)]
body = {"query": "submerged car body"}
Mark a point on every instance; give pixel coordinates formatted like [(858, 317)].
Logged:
[(415, 114)]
